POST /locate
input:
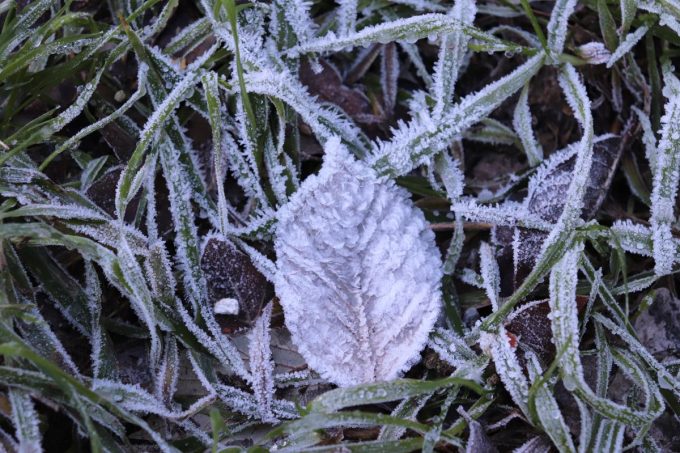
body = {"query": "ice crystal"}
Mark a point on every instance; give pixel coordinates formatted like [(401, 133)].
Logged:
[(226, 306), (357, 272)]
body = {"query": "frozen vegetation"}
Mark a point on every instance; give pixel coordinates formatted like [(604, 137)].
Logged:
[(339, 225)]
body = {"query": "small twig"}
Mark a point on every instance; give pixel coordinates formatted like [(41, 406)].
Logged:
[(470, 226)]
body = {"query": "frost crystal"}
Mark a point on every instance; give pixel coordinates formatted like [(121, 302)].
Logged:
[(226, 306), (358, 273), (594, 53)]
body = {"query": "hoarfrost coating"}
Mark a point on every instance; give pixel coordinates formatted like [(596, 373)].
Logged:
[(358, 273)]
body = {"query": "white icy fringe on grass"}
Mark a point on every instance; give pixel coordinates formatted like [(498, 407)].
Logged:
[(557, 26), (543, 408), (521, 121), (490, 274), (497, 345), (358, 272), (261, 365), (626, 45), (26, 421), (412, 144), (665, 174), (451, 53), (565, 329), (410, 29)]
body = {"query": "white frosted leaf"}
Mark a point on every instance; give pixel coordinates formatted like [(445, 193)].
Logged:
[(566, 335), (451, 53), (295, 14), (452, 348), (628, 10), (594, 52), (324, 120), (26, 421), (450, 174), (490, 274), (648, 137), (627, 45), (521, 121), (497, 345), (548, 413), (347, 16), (261, 365), (358, 273), (414, 142), (557, 26), (506, 214), (409, 29), (633, 238), (665, 180)]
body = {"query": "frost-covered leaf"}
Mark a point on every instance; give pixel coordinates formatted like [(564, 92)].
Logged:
[(557, 26), (594, 53), (453, 349), (627, 45), (212, 98), (357, 273), (538, 444), (382, 392), (478, 441), (521, 121), (451, 53), (499, 346), (347, 17), (451, 175), (26, 421), (408, 409), (564, 320), (628, 10), (294, 16), (325, 121), (544, 408), (552, 178), (411, 28), (490, 274), (261, 365), (422, 137), (666, 173)]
